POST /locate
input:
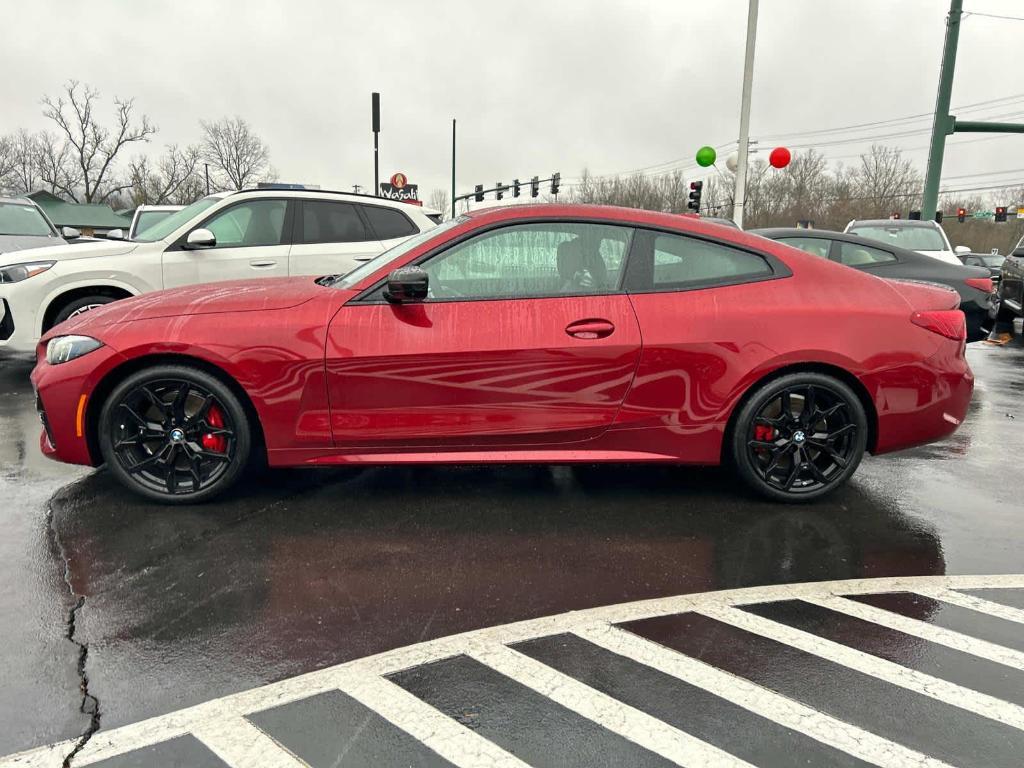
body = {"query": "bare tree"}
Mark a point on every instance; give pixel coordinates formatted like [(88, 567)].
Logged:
[(54, 164), (164, 182), (238, 157), (87, 161), (7, 163), (23, 176), (440, 201), (661, 192)]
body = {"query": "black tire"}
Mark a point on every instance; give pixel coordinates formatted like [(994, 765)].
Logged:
[(798, 456), (174, 434), (79, 305)]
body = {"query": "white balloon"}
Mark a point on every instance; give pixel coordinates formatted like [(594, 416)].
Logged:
[(730, 162)]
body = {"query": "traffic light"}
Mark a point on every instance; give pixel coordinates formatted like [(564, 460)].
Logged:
[(478, 193), (961, 215), (515, 187), (938, 217), (696, 188), (556, 179), (894, 215), (499, 191), (1000, 213), (535, 186), (914, 216)]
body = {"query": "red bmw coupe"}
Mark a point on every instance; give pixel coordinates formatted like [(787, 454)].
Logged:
[(546, 333)]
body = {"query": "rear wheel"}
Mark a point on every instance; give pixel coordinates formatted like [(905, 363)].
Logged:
[(799, 437), (175, 434)]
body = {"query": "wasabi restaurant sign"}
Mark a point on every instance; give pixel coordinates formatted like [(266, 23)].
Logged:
[(399, 188)]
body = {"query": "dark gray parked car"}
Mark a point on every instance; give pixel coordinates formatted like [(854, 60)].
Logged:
[(978, 300), (23, 225)]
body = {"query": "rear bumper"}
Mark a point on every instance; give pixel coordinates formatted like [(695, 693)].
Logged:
[(921, 403)]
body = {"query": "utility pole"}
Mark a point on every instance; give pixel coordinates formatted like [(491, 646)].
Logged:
[(739, 196), (945, 124), (207, 167), (453, 167), (356, 188), (375, 101)]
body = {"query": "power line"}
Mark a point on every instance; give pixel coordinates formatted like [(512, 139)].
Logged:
[(991, 16)]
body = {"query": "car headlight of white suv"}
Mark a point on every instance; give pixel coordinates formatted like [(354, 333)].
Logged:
[(63, 349), (15, 273)]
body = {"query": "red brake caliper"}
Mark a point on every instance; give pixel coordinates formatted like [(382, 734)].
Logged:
[(215, 443), (764, 433)]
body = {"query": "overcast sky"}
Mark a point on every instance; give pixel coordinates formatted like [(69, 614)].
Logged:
[(536, 86)]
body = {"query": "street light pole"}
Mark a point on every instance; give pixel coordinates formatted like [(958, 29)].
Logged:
[(739, 197), (453, 167), (375, 102)]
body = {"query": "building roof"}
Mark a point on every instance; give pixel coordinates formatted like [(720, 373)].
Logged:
[(79, 215)]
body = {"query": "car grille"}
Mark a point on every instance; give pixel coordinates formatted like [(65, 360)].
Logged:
[(46, 422), (7, 323)]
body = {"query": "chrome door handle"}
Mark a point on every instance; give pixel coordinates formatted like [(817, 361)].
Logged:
[(263, 264)]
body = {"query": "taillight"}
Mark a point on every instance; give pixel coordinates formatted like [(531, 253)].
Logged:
[(981, 283), (945, 322)]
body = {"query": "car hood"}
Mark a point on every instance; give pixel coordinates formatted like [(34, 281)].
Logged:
[(69, 252), (235, 296), (9, 243)]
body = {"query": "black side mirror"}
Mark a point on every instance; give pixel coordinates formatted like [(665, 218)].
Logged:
[(406, 285)]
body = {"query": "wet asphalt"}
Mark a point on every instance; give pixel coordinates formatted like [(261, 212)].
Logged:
[(157, 608)]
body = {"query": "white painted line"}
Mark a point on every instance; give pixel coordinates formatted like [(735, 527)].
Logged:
[(126, 738), (241, 744), (454, 742), (922, 629), (998, 610), (941, 690), (761, 701), (632, 724)]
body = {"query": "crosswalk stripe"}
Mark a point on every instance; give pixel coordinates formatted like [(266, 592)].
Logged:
[(975, 603), (887, 671), (761, 701), (454, 742), (241, 744), (923, 630), (628, 722)]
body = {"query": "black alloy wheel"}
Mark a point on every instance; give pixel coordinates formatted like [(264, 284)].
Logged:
[(174, 434), (800, 437)]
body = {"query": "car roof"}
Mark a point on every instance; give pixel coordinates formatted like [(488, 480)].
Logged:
[(314, 193), (776, 233), (892, 223)]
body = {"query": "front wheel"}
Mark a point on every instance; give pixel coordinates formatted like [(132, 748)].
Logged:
[(799, 437), (80, 306), (174, 434)]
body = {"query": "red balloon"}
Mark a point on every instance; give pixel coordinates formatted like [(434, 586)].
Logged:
[(780, 157)]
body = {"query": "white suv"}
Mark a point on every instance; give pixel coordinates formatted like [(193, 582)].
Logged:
[(226, 236), (925, 237)]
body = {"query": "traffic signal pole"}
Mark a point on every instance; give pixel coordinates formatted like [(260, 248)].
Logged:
[(945, 124)]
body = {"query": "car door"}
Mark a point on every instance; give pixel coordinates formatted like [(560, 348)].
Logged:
[(252, 240), (1011, 282), (526, 337), (330, 237)]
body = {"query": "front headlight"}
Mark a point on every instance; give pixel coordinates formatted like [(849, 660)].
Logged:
[(61, 349), (15, 273)]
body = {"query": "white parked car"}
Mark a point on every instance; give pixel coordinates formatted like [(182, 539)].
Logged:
[(925, 237), (23, 225), (146, 216), (225, 236)]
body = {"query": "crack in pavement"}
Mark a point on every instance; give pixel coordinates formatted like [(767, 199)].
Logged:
[(90, 704)]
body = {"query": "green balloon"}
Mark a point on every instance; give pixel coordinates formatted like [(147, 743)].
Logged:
[(706, 156)]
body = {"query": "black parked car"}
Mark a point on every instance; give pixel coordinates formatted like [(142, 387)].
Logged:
[(1011, 283), (978, 300), (993, 262)]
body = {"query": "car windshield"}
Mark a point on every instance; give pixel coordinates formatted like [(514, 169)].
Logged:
[(20, 219), (162, 229), (148, 218), (993, 260), (363, 270), (912, 238)]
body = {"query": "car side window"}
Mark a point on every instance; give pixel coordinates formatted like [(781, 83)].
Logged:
[(856, 255), (388, 223), (532, 260), (816, 246), (328, 222), (682, 262), (252, 223)]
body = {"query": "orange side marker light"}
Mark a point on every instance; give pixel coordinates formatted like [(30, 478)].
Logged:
[(80, 417)]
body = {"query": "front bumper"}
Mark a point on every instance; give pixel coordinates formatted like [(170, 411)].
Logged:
[(17, 324), (64, 400)]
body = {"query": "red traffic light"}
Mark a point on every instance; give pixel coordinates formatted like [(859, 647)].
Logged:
[(1000, 213), (961, 214)]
